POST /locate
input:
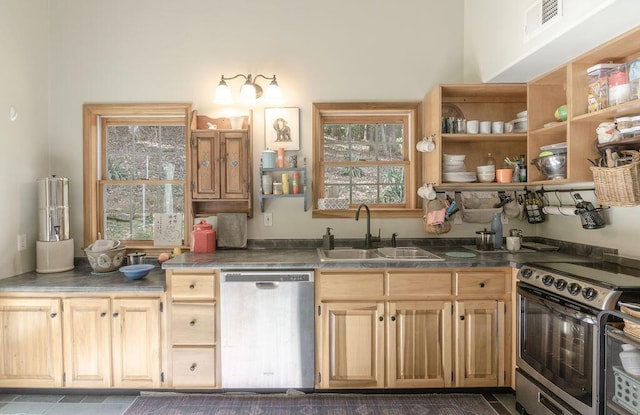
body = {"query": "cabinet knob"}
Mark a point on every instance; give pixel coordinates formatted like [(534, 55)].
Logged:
[(53, 315), (192, 367), (115, 315), (461, 317), (206, 163), (103, 314), (393, 318), (192, 323), (380, 318), (482, 284), (192, 286)]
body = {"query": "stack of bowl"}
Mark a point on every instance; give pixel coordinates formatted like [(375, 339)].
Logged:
[(453, 163), (487, 173)]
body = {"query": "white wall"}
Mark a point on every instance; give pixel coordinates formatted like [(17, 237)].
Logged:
[(169, 50), (496, 49), (24, 27)]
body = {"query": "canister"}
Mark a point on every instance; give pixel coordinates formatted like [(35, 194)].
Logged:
[(53, 209), (203, 238), (269, 159)]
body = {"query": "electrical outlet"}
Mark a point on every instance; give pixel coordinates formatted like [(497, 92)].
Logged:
[(268, 219), (22, 242)]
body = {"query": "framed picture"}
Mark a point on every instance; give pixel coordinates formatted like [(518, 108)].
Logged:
[(282, 128)]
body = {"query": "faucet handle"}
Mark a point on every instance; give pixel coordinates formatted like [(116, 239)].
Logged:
[(376, 238)]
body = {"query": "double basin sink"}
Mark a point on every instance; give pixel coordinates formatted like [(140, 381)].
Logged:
[(377, 254)]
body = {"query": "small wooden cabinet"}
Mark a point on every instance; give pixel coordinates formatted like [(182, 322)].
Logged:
[(393, 328), (221, 171), (193, 329), (482, 102)]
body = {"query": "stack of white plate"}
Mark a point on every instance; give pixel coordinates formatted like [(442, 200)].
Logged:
[(459, 177), (453, 163)]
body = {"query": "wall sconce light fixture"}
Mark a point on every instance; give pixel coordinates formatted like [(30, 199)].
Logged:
[(250, 91)]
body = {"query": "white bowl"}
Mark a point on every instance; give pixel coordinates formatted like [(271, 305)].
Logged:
[(486, 169), (486, 178)]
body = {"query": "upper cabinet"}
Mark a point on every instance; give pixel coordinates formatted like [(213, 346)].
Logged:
[(484, 102), (220, 168)]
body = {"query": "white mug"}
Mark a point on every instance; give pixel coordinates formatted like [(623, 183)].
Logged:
[(513, 243), (473, 126), (426, 191), (497, 127), (485, 127), (426, 145)]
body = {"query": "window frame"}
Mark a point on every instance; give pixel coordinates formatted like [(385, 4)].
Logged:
[(411, 111), (93, 151)]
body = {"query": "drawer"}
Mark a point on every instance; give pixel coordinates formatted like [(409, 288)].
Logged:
[(350, 284), (419, 284), (481, 282), (193, 324), (193, 287), (193, 366)]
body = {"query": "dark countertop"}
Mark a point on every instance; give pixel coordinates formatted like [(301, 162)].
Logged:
[(307, 258), (82, 279)]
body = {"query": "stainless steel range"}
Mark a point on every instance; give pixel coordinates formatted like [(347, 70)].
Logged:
[(558, 306)]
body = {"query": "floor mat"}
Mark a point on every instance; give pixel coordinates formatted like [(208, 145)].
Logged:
[(313, 404)]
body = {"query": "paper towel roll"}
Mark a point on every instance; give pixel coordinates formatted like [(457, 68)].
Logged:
[(560, 210)]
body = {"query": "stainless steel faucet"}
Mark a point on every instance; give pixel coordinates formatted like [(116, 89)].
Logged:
[(367, 237)]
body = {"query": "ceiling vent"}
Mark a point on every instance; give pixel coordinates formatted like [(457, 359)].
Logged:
[(540, 16)]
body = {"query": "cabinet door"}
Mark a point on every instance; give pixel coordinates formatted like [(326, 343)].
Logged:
[(352, 345), (205, 160), (419, 345), (234, 172), (87, 342), (480, 351), (136, 342), (31, 336)]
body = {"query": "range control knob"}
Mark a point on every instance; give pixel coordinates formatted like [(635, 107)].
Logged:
[(560, 284), (589, 293), (526, 272), (548, 280), (574, 288)]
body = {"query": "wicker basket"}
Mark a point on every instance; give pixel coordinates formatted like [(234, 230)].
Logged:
[(630, 327), (618, 186), (433, 205)]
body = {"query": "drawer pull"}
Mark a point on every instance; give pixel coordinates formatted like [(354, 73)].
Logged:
[(393, 318), (482, 284), (192, 323), (192, 368), (380, 318), (53, 315), (461, 317), (103, 314), (115, 315), (192, 286)]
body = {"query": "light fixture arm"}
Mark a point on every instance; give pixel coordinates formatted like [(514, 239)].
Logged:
[(251, 82)]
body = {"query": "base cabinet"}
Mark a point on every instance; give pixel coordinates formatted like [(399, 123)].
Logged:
[(395, 328), (31, 336), (92, 342)]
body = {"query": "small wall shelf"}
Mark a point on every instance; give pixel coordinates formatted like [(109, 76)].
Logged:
[(280, 171)]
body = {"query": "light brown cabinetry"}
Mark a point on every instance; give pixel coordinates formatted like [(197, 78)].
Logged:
[(394, 328), (85, 342), (31, 336), (193, 329), (221, 171), (568, 84), (483, 102)]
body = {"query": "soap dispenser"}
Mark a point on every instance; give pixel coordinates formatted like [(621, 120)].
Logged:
[(327, 240)]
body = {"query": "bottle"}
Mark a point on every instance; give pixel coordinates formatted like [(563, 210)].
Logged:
[(327, 240), (496, 228), (281, 158), (295, 183), (490, 160)]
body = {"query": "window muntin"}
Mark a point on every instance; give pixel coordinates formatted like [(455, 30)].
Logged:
[(364, 154)]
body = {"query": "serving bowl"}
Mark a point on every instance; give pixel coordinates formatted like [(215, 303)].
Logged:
[(554, 167), (137, 271), (105, 261)]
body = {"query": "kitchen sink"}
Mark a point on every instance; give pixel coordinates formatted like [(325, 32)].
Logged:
[(378, 254)]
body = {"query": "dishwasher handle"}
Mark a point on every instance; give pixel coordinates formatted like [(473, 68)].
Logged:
[(261, 285)]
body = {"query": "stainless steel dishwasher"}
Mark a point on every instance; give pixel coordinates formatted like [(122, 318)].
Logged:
[(267, 329)]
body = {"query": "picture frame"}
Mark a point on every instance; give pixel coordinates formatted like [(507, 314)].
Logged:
[(282, 128)]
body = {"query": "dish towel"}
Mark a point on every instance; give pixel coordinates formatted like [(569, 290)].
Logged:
[(232, 230)]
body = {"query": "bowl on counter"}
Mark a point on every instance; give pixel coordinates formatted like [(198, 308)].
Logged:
[(137, 271), (106, 261), (554, 166)]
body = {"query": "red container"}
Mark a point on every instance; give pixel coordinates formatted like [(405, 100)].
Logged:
[(203, 238)]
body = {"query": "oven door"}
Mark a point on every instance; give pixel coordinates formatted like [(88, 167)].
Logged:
[(557, 347)]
